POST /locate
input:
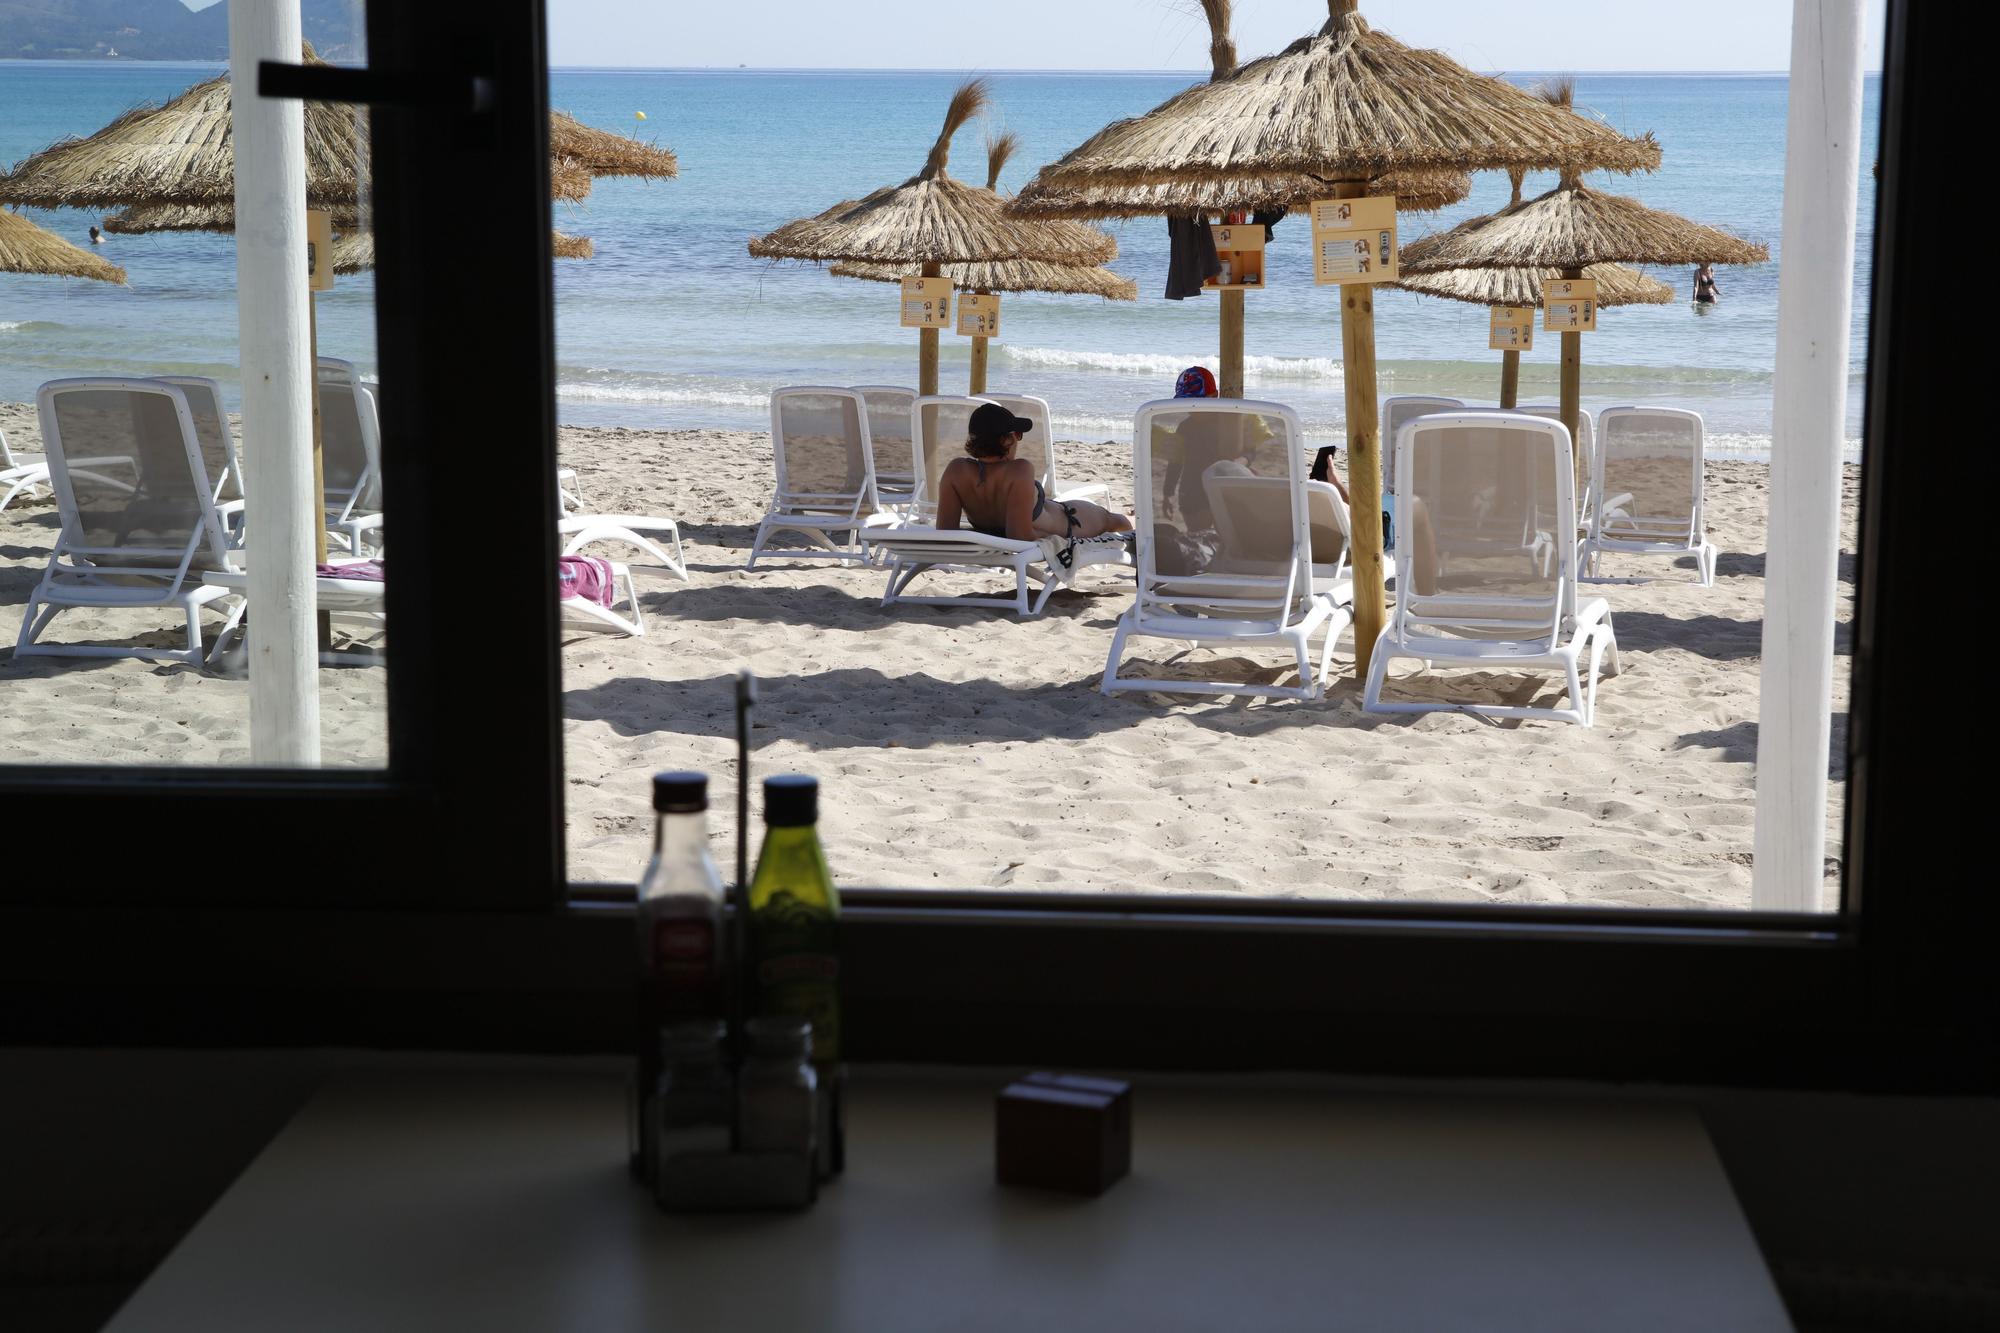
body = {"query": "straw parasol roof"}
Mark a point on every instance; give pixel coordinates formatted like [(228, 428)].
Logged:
[(182, 152), (1347, 103), (602, 153), (1418, 190), (933, 219), (1014, 275), (1575, 226), (26, 248), (1616, 285), (354, 251)]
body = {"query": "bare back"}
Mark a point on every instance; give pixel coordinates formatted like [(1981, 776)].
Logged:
[(996, 496)]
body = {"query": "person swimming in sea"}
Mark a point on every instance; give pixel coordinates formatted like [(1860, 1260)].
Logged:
[(96, 236), (1706, 290), (1000, 495)]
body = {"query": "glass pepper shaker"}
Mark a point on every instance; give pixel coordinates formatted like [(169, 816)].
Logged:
[(692, 1107), (776, 1109)]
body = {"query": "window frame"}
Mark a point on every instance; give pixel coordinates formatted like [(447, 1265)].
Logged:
[(452, 777), (1889, 994)]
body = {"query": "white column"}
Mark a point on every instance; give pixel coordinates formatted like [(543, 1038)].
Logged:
[(271, 297), (1808, 423)]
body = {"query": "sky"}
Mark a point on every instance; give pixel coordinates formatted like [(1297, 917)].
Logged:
[(1567, 35)]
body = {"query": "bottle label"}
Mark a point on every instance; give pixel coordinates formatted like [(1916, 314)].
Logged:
[(798, 967), (684, 967)]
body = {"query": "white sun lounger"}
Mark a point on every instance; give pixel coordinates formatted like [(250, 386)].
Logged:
[(350, 434), (148, 543), (1651, 461), (826, 474), (1038, 446), (1488, 478), (1257, 578), (892, 442), (913, 546), (1399, 410), (21, 475)]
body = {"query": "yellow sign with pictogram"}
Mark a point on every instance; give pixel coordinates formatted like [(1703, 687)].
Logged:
[(1569, 305), (979, 315), (926, 303), (1512, 328), (1354, 241)]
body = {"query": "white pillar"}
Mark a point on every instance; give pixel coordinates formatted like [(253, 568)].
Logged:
[(271, 297), (1808, 424)]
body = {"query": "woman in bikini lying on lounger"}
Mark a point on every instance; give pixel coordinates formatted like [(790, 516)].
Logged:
[(999, 494)]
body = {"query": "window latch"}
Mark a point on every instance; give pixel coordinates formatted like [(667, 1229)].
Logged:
[(367, 87)]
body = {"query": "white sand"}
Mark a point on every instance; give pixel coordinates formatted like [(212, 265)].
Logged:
[(969, 748)]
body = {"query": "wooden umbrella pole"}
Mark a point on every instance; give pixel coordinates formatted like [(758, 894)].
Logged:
[(1230, 351), (927, 349), (978, 381), (1510, 378), (1364, 454), (1572, 381)]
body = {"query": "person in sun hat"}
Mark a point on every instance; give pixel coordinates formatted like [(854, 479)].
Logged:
[(1191, 461), (1000, 495)]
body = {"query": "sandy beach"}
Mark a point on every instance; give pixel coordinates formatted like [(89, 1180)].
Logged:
[(969, 748)]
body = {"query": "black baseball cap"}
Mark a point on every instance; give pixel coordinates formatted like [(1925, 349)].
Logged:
[(990, 421)]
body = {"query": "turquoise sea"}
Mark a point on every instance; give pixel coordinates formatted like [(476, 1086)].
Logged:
[(674, 324)]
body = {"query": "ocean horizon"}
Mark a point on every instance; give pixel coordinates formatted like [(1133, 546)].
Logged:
[(673, 324)]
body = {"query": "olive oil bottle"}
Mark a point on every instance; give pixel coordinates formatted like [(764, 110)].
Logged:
[(794, 942)]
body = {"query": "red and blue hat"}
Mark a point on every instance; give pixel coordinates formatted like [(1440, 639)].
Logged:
[(1196, 382)]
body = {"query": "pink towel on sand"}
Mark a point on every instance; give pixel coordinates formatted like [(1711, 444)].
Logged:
[(588, 577), (583, 576), (367, 571)]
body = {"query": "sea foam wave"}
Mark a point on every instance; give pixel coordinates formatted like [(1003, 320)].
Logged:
[(27, 326), (1167, 366)]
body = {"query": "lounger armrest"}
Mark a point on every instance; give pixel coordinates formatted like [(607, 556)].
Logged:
[(1590, 611), (1088, 491), (895, 535), (363, 522)]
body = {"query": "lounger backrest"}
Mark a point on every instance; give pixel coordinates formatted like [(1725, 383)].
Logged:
[(1397, 410), (943, 421), (1586, 436), (126, 467), (1654, 455), (349, 439), (6, 454), (211, 426), (1038, 446), (891, 432), (1221, 501), (1500, 506), (820, 440)]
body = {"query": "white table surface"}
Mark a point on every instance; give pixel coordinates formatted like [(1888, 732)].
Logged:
[(499, 1201)]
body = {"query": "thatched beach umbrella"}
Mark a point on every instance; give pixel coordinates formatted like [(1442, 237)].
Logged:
[(27, 249), (1005, 275), (1346, 105), (602, 153), (1522, 288), (1569, 229), (182, 152), (929, 221), (354, 252)]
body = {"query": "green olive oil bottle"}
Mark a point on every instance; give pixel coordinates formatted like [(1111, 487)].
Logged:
[(795, 946)]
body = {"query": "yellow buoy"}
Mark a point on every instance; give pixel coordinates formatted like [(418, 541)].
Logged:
[(639, 115)]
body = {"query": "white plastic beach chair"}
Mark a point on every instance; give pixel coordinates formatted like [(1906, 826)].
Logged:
[(1650, 463), (367, 599), (21, 474), (140, 528), (218, 442), (826, 474), (912, 546), (1398, 410), (1486, 479), (1038, 446), (350, 435), (892, 442), (1252, 579)]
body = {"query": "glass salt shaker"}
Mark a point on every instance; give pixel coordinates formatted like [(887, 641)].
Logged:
[(692, 1108)]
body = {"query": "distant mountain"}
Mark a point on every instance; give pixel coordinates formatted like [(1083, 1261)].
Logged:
[(154, 30)]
